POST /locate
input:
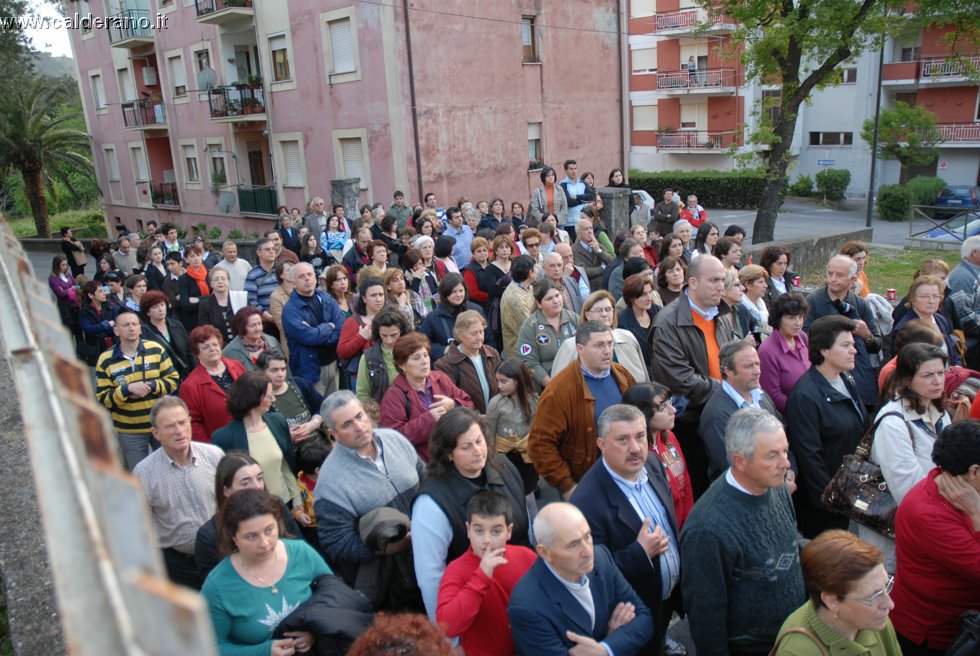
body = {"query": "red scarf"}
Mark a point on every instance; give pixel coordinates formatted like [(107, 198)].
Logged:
[(200, 275)]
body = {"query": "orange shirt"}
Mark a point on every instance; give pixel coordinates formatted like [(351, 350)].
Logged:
[(707, 328), (549, 194)]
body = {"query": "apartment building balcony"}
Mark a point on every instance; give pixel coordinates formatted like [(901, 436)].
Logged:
[(144, 115), (707, 82), (257, 200), (164, 196), (685, 22), (695, 141), (130, 28), (237, 103), (929, 71), (959, 135), (221, 12)]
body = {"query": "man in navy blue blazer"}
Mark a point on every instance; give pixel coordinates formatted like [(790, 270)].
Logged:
[(626, 500), (574, 599)]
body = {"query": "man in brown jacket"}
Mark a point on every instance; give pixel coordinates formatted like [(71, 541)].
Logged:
[(562, 443)]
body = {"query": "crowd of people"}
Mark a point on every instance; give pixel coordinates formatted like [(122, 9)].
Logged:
[(542, 437)]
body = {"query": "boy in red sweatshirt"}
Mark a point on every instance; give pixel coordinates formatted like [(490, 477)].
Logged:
[(475, 590)]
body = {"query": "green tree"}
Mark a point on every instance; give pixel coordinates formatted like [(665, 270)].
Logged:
[(905, 134), (37, 140), (799, 44)]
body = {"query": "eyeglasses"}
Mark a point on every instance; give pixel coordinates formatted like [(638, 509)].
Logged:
[(876, 598), (602, 310), (667, 403), (534, 245), (928, 297)]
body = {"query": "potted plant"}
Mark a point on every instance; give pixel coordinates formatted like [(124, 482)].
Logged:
[(254, 81), (218, 178), (156, 197), (232, 107)]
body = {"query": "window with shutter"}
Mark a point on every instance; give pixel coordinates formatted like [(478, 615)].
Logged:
[(645, 117), (342, 47), (280, 58), (644, 59), (292, 164), (127, 91), (534, 156), (178, 75), (642, 8), (139, 163), (111, 163), (528, 39), (190, 163), (352, 151), (98, 92)]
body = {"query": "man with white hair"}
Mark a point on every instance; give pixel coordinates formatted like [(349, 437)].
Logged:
[(589, 254), (964, 290), (236, 267), (574, 599), (554, 270), (837, 298), (741, 576)]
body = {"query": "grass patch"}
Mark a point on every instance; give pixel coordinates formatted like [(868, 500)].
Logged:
[(87, 223), (889, 268)]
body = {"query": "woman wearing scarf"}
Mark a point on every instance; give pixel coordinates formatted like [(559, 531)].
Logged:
[(193, 286)]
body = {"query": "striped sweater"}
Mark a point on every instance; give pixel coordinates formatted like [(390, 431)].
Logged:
[(114, 372)]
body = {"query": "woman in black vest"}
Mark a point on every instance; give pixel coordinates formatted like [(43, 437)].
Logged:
[(377, 368), (459, 467)]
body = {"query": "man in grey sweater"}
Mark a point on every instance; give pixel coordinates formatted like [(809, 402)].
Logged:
[(368, 468), (741, 573)]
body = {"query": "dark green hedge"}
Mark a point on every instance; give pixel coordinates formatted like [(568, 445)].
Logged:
[(736, 190)]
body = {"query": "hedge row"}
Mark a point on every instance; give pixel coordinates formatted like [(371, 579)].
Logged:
[(735, 190)]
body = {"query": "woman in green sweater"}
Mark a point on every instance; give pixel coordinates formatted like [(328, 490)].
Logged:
[(261, 581), (847, 612)]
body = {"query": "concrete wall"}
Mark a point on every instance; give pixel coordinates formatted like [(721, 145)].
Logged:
[(809, 255)]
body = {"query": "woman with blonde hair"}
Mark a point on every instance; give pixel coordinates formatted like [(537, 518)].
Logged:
[(601, 306)]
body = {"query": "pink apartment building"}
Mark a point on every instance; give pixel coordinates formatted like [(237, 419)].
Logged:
[(218, 111)]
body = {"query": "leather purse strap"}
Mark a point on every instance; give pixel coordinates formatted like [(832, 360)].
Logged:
[(863, 450), (805, 631)]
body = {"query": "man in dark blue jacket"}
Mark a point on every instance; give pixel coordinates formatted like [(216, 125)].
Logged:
[(626, 500), (312, 320), (574, 595)]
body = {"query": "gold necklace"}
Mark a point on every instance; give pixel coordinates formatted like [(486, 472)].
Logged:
[(275, 566)]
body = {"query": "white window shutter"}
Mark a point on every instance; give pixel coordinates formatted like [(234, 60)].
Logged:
[(644, 59), (342, 46), (645, 117), (292, 164), (353, 153), (533, 131), (177, 72), (277, 43)]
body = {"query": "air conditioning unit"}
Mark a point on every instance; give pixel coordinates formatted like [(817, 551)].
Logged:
[(149, 76)]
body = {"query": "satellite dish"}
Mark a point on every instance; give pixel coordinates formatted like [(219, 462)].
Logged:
[(226, 201), (206, 79)]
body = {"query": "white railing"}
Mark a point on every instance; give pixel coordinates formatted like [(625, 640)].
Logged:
[(695, 140), (933, 67), (960, 132), (687, 19), (109, 579), (700, 79)]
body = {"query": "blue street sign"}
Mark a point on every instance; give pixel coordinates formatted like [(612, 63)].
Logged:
[(825, 162)]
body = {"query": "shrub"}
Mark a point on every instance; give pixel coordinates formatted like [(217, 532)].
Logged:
[(802, 187), (214, 234), (894, 202), (235, 233), (925, 189), (740, 189), (832, 183)]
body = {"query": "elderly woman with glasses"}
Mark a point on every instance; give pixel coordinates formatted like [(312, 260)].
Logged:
[(847, 612), (601, 306)]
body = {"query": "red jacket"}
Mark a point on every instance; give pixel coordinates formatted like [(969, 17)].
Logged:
[(351, 344), (206, 401), (413, 420), (937, 577)]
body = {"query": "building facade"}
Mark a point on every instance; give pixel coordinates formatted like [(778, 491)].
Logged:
[(219, 111), (689, 100)]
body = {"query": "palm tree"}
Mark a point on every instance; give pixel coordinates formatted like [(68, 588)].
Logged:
[(37, 140)]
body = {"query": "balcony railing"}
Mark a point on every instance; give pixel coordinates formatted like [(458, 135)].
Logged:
[(695, 140), (130, 24), (239, 100), (688, 19), (257, 200), (205, 7), (164, 194), (935, 67), (700, 79), (960, 132), (143, 113)]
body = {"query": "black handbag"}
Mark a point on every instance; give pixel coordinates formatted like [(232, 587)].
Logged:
[(967, 641), (858, 490)]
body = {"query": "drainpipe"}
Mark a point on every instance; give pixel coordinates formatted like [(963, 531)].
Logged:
[(623, 101), (415, 111), (874, 142)]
